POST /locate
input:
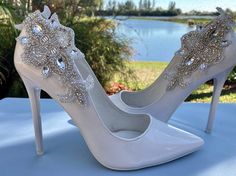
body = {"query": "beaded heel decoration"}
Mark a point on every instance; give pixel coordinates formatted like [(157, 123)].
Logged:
[(49, 46), (200, 49)]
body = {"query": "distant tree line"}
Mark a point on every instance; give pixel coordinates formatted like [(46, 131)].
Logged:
[(144, 8), (205, 13)]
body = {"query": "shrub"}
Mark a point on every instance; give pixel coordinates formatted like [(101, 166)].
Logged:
[(8, 75), (105, 52), (232, 76)]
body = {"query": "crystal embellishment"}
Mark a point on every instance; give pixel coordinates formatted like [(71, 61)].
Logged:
[(190, 62), (23, 40), (73, 52), (225, 43), (180, 52), (203, 66), (61, 64), (45, 71), (198, 28), (54, 24), (37, 30), (46, 49), (202, 48)]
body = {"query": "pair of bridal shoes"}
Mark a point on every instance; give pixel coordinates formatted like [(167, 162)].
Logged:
[(118, 137)]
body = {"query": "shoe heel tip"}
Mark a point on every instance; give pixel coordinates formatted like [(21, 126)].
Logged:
[(40, 153), (208, 131)]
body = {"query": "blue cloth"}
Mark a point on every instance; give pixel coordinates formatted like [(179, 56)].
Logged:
[(66, 153)]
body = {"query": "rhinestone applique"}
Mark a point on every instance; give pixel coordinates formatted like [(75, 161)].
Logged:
[(200, 49), (49, 46)]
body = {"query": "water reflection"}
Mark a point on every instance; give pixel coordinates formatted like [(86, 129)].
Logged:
[(153, 40)]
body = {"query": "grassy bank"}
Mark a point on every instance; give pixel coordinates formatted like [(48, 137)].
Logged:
[(146, 73), (189, 21), (177, 20)]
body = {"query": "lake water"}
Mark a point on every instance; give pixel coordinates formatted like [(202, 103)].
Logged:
[(153, 40)]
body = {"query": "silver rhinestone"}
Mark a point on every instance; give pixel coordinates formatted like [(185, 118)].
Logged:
[(54, 24), (37, 30), (182, 52), (61, 64), (73, 53), (203, 66), (199, 28), (190, 62), (215, 33), (45, 71), (24, 40), (225, 43)]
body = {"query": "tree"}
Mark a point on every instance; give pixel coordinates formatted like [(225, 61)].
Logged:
[(109, 5), (129, 5), (172, 5), (101, 5), (153, 4), (178, 11), (114, 6), (90, 6), (140, 4), (8, 33), (120, 7), (149, 4), (145, 4)]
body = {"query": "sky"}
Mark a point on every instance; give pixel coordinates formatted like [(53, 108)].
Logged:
[(188, 5)]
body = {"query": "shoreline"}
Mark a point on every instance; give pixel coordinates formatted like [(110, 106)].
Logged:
[(187, 21), (175, 19)]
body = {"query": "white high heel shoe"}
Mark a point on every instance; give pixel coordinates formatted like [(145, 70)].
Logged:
[(207, 53), (45, 58)]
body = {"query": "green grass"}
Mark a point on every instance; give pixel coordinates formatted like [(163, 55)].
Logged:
[(185, 21), (204, 94), (177, 20), (147, 72)]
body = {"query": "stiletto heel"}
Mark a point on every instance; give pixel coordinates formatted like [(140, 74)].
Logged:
[(218, 82), (46, 57), (34, 96)]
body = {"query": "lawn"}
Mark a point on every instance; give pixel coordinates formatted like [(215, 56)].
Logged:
[(177, 20), (146, 72)]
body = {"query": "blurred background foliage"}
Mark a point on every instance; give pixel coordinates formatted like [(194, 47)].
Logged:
[(95, 37)]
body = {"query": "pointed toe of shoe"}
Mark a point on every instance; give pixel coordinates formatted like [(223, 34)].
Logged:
[(172, 143)]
